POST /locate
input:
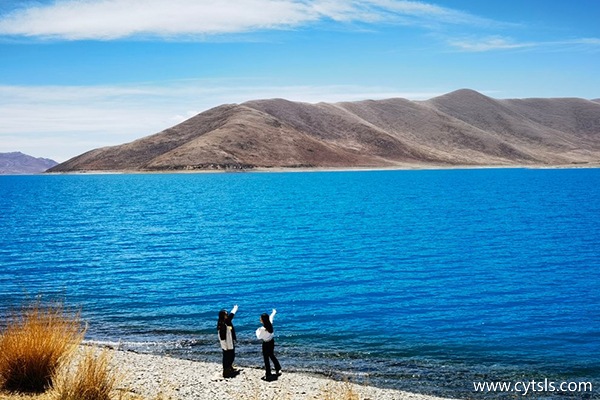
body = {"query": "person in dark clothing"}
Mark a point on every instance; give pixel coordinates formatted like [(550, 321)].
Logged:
[(227, 339), (266, 334)]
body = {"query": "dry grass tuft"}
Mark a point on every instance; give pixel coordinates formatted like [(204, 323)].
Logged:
[(93, 379), (339, 391), (34, 344)]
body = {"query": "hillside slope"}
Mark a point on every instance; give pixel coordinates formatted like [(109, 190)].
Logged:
[(460, 128), (17, 163)]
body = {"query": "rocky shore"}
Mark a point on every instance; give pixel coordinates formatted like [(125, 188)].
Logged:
[(161, 377)]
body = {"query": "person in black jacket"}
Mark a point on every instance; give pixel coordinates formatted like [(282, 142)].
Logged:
[(227, 339), (266, 334)]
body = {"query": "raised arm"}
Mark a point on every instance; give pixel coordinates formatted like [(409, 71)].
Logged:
[(233, 311), (272, 315)]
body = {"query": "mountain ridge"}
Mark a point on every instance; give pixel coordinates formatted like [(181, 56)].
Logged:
[(17, 163), (460, 128)]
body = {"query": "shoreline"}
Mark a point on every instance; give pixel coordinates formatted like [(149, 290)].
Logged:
[(152, 376), (408, 167)]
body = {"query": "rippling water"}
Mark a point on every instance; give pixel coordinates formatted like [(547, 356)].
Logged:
[(421, 280)]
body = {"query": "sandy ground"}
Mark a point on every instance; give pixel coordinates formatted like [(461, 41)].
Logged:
[(152, 377), (162, 377)]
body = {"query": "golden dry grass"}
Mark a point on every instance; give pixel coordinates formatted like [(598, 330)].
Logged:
[(339, 391), (40, 342), (22, 396), (92, 379), (330, 391), (34, 344), (89, 376)]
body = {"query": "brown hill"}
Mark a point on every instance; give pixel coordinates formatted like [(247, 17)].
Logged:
[(460, 128), (17, 163)]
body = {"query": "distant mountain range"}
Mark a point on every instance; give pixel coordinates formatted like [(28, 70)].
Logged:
[(17, 163), (462, 128)]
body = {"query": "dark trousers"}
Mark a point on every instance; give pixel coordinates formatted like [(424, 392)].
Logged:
[(268, 350), (228, 357)]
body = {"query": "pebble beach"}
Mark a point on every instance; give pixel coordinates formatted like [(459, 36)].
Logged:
[(163, 377)]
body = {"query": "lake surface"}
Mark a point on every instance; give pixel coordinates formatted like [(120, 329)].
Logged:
[(418, 280)]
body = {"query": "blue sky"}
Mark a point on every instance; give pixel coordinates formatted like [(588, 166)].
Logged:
[(76, 75)]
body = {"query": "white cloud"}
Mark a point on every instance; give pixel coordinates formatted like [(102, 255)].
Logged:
[(495, 43), (61, 122), (579, 44), (487, 44), (429, 13), (590, 41), (113, 19)]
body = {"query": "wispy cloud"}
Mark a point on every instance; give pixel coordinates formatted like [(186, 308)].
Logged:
[(61, 122), (581, 44), (488, 44), (499, 43), (428, 13), (114, 19)]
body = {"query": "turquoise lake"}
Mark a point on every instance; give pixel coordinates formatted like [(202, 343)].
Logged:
[(417, 280)]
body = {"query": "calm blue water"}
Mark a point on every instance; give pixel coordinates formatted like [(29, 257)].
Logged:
[(422, 280)]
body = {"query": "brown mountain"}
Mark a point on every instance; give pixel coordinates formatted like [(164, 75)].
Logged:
[(460, 128), (17, 163)]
